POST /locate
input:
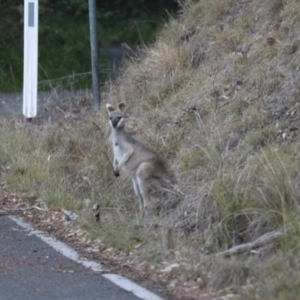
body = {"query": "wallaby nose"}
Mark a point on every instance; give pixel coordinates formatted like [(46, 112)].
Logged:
[(115, 122)]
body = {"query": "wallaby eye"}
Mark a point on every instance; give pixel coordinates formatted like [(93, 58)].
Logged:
[(110, 118), (119, 118)]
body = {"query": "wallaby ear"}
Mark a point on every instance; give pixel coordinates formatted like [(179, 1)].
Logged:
[(109, 107), (122, 106)]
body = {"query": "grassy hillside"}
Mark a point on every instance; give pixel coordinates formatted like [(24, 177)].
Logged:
[(218, 95)]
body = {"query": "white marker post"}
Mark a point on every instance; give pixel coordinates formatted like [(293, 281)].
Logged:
[(30, 58)]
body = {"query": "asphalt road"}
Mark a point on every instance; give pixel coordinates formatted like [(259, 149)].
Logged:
[(30, 269), (11, 103)]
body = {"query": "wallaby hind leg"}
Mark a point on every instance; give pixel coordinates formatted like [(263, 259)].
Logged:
[(143, 186), (143, 181), (139, 194)]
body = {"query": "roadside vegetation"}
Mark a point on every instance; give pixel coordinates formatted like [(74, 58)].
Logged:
[(218, 95), (64, 43)]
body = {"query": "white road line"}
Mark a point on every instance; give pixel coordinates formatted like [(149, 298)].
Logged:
[(132, 287), (59, 246), (70, 253)]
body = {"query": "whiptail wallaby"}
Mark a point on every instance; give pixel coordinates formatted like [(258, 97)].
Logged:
[(146, 167)]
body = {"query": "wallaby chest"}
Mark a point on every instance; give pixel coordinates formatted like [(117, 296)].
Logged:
[(117, 146)]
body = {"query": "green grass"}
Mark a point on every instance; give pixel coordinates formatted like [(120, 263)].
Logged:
[(64, 49)]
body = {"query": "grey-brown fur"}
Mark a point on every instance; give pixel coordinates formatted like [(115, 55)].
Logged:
[(146, 167)]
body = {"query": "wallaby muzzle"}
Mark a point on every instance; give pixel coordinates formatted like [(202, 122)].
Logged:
[(115, 122)]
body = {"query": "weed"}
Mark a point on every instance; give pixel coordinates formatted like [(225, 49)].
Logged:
[(259, 137)]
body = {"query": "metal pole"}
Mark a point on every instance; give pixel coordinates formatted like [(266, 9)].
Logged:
[(94, 53)]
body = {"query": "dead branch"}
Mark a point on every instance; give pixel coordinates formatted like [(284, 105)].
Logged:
[(261, 241)]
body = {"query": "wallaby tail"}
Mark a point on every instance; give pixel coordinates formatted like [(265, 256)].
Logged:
[(166, 185)]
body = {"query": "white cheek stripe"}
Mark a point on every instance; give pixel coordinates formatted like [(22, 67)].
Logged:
[(120, 123)]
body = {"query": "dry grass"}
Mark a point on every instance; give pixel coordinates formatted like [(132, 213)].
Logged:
[(217, 94)]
